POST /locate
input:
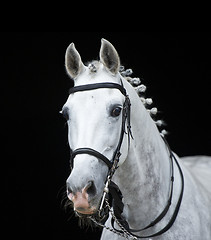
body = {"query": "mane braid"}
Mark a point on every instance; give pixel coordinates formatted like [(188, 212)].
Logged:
[(140, 90)]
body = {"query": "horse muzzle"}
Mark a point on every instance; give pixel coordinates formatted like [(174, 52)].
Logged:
[(82, 199)]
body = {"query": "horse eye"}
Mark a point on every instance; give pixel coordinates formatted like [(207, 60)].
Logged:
[(116, 112)]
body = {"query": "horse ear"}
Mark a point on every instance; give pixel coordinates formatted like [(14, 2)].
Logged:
[(109, 56), (73, 63)]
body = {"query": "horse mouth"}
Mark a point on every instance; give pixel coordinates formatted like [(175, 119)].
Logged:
[(85, 211)]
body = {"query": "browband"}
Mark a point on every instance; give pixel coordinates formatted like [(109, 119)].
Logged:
[(97, 86)]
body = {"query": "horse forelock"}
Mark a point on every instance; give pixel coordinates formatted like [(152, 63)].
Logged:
[(93, 66)]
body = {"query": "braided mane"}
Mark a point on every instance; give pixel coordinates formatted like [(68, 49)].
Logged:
[(141, 89)]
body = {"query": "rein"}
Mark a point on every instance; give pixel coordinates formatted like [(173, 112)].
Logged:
[(111, 190), (122, 223)]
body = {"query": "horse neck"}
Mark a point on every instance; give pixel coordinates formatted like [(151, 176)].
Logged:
[(144, 177)]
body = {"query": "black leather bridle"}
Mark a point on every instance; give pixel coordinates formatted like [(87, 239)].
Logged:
[(111, 187), (111, 163)]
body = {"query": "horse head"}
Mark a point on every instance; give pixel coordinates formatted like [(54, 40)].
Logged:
[(150, 177), (94, 121)]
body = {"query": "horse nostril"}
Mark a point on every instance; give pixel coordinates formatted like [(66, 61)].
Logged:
[(90, 188), (69, 189)]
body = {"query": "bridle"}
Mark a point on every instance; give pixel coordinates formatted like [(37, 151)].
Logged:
[(113, 163), (112, 192)]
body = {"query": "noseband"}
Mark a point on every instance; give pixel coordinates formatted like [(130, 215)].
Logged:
[(111, 163)]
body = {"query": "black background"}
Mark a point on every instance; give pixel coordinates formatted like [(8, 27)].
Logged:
[(176, 69)]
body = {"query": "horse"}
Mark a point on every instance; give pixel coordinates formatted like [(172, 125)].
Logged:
[(124, 176)]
